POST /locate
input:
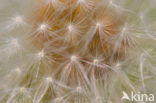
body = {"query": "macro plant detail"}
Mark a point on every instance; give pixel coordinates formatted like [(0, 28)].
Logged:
[(77, 51)]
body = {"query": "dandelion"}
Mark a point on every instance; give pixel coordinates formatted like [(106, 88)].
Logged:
[(76, 51)]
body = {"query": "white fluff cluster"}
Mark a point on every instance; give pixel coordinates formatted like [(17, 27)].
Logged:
[(76, 51)]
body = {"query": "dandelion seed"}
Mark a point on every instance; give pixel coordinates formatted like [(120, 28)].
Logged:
[(57, 100), (73, 58), (111, 2), (18, 19), (41, 54), (95, 61), (118, 65), (15, 42), (18, 70), (98, 98), (8, 75), (124, 29), (70, 27), (141, 16), (43, 27), (80, 1), (22, 89), (49, 79), (78, 89), (98, 24), (29, 96)]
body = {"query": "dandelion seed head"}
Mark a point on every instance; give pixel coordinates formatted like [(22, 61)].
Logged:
[(89, 27)]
